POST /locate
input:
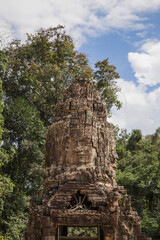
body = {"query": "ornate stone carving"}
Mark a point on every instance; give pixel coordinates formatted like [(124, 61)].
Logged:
[(80, 162)]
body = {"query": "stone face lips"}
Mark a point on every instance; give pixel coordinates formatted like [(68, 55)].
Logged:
[(79, 183), (80, 139)]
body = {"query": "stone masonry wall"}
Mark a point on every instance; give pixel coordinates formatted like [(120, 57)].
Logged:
[(80, 139), (79, 187)]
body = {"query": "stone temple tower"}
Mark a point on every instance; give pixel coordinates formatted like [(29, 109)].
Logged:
[(80, 190)]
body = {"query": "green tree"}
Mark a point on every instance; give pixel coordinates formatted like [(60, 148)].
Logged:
[(37, 73), (105, 81), (41, 68), (6, 185), (139, 171), (26, 138), (134, 139)]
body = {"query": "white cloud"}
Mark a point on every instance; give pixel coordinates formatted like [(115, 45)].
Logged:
[(95, 17), (146, 64), (140, 109), (6, 35), (81, 17)]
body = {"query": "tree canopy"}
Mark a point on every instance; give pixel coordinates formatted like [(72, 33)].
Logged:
[(139, 171), (105, 81), (36, 73), (6, 185), (33, 75)]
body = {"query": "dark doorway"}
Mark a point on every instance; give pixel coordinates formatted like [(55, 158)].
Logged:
[(78, 233)]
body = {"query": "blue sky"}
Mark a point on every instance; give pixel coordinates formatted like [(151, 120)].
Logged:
[(126, 31)]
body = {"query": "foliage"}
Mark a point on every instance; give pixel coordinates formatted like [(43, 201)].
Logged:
[(6, 185), (134, 139), (104, 78), (27, 137), (83, 231), (17, 226), (37, 72), (139, 171), (15, 218), (3, 61), (42, 67)]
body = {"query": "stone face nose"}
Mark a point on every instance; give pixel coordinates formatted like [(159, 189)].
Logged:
[(80, 138)]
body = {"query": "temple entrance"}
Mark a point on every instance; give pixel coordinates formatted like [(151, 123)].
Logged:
[(80, 198), (78, 233)]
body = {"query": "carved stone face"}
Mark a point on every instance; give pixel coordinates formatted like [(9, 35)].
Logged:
[(79, 153), (80, 138), (71, 148)]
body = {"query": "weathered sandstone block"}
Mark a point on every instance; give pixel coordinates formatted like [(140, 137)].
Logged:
[(79, 183)]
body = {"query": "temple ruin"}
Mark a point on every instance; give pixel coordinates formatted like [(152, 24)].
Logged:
[(80, 189)]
